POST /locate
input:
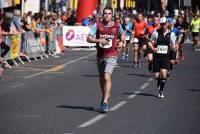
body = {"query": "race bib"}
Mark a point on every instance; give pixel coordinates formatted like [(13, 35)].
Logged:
[(127, 37), (162, 49), (108, 45)]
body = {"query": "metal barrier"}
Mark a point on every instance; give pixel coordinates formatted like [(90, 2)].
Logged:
[(33, 45)]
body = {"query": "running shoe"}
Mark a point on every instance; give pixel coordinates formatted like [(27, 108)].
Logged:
[(161, 95), (135, 65), (104, 108), (123, 57), (126, 58)]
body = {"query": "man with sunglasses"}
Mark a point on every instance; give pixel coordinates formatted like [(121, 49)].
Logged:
[(164, 41), (105, 34)]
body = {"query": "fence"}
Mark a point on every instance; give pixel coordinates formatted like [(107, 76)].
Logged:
[(33, 45)]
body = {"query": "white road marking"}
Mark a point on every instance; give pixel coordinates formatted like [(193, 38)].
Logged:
[(117, 106), (12, 76), (134, 94), (144, 86), (65, 64), (17, 85), (24, 116), (93, 120), (114, 108), (29, 68)]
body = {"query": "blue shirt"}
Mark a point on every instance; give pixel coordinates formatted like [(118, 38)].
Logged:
[(129, 26), (175, 31)]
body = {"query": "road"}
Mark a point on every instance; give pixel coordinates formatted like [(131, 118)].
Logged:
[(62, 95)]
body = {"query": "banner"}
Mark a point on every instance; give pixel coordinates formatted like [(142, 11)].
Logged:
[(6, 3), (15, 46), (32, 5), (17, 1), (76, 36), (33, 49)]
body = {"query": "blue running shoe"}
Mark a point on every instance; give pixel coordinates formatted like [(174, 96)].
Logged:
[(104, 108), (122, 57)]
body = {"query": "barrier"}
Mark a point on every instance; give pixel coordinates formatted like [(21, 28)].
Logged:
[(33, 45)]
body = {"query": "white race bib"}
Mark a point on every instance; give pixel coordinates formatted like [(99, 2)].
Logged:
[(162, 49), (107, 46)]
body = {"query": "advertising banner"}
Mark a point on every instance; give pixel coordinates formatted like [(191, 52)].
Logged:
[(15, 46), (6, 3), (76, 36)]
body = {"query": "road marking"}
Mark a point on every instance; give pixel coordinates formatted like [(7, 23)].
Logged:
[(150, 79), (60, 66), (117, 106), (24, 116), (29, 68), (134, 94), (55, 69), (92, 121), (144, 86), (17, 85), (12, 76)]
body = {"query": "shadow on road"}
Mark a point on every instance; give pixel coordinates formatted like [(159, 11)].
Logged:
[(193, 90), (141, 75), (142, 94), (91, 109), (90, 75)]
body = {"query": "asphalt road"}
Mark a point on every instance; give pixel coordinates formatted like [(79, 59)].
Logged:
[(62, 95)]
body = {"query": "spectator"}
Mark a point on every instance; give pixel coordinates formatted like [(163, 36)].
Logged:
[(72, 19), (4, 47)]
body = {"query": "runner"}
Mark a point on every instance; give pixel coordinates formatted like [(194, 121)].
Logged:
[(195, 28), (140, 41), (164, 42), (178, 37), (181, 25), (105, 35), (127, 27), (150, 29)]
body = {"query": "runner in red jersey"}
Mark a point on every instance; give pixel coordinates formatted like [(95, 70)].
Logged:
[(139, 42), (105, 34)]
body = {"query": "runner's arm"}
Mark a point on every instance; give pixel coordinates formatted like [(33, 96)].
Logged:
[(173, 41), (153, 39)]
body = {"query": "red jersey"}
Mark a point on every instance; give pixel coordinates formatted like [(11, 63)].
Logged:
[(110, 33), (139, 28)]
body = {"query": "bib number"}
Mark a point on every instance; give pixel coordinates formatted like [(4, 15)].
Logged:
[(162, 49), (127, 37), (108, 45)]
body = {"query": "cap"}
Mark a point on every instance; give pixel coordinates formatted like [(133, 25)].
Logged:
[(163, 20), (170, 20), (85, 22)]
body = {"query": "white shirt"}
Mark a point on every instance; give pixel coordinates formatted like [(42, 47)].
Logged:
[(173, 37)]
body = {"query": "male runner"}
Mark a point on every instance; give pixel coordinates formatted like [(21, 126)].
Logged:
[(164, 41), (140, 40), (127, 27), (105, 34)]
